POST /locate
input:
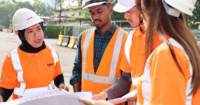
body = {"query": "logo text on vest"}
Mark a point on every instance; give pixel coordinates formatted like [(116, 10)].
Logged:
[(50, 64)]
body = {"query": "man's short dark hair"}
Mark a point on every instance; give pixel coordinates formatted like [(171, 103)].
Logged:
[(107, 4)]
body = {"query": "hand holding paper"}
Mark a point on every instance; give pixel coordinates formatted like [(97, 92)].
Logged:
[(101, 96), (62, 86), (131, 95)]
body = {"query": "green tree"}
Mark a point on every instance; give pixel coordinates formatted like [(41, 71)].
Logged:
[(3, 1), (13, 1), (41, 9), (8, 9), (83, 14), (78, 2), (55, 3), (25, 4), (117, 15), (61, 4), (196, 16)]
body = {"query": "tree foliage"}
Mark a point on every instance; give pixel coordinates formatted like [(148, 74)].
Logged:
[(85, 13), (54, 30), (13, 1), (196, 16), (117, 15), (7, 10), (41, 9), (77, 2), (55, 4), (61, 4)]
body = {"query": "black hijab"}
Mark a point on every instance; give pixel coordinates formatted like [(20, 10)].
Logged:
[(25, 46)]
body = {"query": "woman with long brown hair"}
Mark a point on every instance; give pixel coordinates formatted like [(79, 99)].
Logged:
[(172, 71)]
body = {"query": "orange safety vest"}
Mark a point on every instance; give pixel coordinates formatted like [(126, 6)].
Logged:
[(22, 91), (108, 71), (149, 87), (127, 53)]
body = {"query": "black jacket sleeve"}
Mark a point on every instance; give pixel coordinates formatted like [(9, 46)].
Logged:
[(58, 80), (6, 93)]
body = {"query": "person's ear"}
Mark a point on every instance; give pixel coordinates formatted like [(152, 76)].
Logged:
[(110, 10)]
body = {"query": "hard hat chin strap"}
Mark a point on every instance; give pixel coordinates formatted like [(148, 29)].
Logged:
[(171, 11)]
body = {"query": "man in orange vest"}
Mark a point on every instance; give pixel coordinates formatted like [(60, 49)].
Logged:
[(96, 66), (132, 62)]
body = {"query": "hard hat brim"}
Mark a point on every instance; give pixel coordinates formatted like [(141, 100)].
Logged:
[(181, 6), (94, 4), (121, 8), (33, 23), (28, 25)]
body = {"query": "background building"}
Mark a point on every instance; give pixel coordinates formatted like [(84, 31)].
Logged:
[(70, 17)]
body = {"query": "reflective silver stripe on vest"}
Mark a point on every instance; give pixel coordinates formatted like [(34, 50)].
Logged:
[(85, 47), (55, 57), (31, 91), (135, 81), (127, 53), (115, 56), (17, 66), (116, 52), (137, 103), (54, 54), (100, 79), (128, 46)]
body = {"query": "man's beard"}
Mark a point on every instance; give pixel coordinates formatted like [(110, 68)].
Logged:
[(98, 26)]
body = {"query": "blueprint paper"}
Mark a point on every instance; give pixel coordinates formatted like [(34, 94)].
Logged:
[(51, 97), (132, 94)]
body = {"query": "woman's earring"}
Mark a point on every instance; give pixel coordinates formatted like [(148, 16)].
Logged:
[(141, 20)]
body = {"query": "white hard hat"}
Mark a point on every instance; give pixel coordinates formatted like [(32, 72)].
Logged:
[(24, 18), (185, 6), (90, 3), (124, 5)]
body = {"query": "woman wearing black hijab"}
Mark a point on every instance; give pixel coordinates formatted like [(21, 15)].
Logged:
[(33, 67)]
